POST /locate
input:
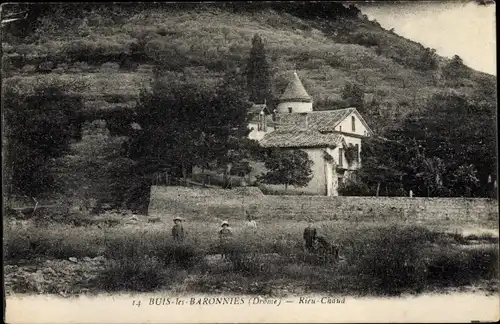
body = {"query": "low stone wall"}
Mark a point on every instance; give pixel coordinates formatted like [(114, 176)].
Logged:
[(229, 204)]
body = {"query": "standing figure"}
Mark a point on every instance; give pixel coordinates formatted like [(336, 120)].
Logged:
[(250, 223), (225, 236), (310, 236), (178, 230)]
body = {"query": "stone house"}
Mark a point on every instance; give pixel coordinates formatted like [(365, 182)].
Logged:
[(332, 139)]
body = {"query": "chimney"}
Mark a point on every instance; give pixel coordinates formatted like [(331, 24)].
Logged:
[(305, 120)]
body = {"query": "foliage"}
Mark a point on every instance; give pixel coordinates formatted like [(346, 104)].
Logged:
[(288, 167), (326, 36), (401, 269), (39, 127), (95, 168), (456, 69), (354, 94), (354, 187), (145, 34), (137, 274), (241, 169), (428, 60), (351, 153), (464, 180), (435, 155), (386, 259), (185, 125), (258, 73), (451, 267)]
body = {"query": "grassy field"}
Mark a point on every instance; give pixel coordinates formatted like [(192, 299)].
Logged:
[(376, 259)]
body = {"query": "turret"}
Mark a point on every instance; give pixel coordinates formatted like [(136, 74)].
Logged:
[(295, 99)]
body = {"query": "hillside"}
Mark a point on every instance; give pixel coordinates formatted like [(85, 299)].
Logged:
[(113, 51)]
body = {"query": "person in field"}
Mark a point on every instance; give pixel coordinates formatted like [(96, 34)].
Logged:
[(225, 233), (250, 222), (178, 231), (310, 236), (225, 236)]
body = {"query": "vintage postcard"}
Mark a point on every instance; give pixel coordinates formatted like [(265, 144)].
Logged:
[(250, 162)]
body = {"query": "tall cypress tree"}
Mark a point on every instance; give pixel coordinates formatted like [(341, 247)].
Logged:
[(258, 74)]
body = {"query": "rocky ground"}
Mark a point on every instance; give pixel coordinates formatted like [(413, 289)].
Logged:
[(74, 277), (63, 277)]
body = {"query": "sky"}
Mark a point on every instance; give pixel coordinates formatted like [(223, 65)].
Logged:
[(451, 27)]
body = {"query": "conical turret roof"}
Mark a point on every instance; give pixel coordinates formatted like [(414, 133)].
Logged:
[(295, 91)]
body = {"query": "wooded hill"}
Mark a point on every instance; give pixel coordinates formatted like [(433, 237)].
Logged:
[(113, 49), (109, 53)]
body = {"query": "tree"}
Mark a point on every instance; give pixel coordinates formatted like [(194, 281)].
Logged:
[(95, 168), (465, 181), (258, 73), (428, 60), (435, 155), (288, 167), (38, 128), (429, 175), (383, 167), (186, 125), (456, 69), (354, 93), (229, 144)]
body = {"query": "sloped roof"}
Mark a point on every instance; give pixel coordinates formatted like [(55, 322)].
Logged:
[(304, 138), (255, 111), (258, 108), (320, 132), (295, 91), (322, 121)]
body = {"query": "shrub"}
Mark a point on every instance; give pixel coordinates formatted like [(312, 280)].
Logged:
[(391, 260), (59, 242), (365, 39), (145, 273), (121, 245), (460, 267)]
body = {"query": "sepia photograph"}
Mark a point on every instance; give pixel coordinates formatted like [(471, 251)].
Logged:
[(250, 162)]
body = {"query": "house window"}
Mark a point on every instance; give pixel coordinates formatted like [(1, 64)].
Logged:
[(341, 155), (357, 152), (353, 122), (290, 110), (340, 128)]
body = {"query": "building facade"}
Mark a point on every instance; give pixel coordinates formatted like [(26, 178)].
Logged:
[(332, 139)]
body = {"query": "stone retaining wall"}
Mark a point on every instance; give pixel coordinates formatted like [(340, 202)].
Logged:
[(229, 204)]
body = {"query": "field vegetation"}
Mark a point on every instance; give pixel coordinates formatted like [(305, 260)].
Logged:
[(376, 259)]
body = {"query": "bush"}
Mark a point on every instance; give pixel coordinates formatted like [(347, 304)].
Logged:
[(354, 188), (59, 242), (154, 244), (451, 267), (391, 260), (145, 273), (377, 259), (365, 39)]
